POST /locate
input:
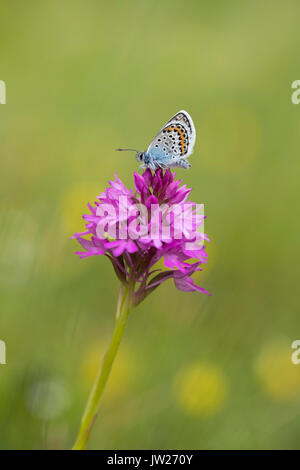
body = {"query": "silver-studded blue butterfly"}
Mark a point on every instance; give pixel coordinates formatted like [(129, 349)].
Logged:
[(171, 146)]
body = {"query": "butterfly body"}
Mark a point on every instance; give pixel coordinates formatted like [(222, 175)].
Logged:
[(157, 159), (172, 145)]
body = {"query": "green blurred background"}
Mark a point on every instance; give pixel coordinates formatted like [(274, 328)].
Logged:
[(84, 77)]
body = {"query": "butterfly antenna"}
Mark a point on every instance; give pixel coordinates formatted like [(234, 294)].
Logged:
[(127, 150)]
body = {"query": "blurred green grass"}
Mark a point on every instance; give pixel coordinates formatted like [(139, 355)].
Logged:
[(85, 77)]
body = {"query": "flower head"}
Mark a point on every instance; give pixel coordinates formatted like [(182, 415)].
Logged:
[(135, 229)]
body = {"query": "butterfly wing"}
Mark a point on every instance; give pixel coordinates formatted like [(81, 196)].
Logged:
[(174, 141)]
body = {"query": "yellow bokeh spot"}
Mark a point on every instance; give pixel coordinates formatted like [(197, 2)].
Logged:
[(121, 375), (74, 204), (230, 139), (200, 389), (279, 377)]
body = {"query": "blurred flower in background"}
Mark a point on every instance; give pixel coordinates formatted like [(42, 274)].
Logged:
[(48, 399), (73, 204), (278, 376), (200, 389)]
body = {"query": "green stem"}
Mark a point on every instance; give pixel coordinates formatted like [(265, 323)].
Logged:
[(91, 409)]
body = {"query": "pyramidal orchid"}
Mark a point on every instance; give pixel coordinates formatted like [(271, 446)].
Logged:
[(135, 229)]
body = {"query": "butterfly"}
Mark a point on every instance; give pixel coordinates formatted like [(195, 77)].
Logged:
[(171, 146)]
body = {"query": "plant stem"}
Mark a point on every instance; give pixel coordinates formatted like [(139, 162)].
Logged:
[(91, 409)]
